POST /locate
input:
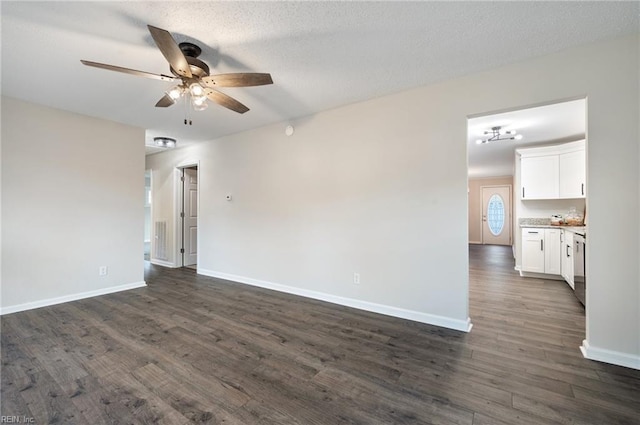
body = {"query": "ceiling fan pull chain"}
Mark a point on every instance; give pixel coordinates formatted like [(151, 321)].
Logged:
[(186, 110)]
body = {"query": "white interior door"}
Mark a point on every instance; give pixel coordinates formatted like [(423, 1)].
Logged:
[(496, 215), (190, 217)]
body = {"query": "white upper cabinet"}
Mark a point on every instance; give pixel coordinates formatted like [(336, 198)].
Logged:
[(553, 172), (539, 176), (573, 174)]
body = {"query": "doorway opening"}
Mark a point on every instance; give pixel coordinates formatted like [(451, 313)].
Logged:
[(147, 215), (499, 213), (188, 217)]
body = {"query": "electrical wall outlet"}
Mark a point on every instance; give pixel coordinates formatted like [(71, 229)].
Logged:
[(356, 278), (103, 270)]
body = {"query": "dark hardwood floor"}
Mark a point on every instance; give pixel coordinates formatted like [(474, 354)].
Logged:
[(192, 349)]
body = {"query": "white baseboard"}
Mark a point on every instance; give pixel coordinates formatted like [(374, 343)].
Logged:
[(475, 242), (430, 319), (72, 297), (540, 275), (608, 356), (162, 263)]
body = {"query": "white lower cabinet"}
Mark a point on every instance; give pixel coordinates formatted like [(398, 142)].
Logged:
[(567, 257), (541, 250), (532, 250), (552, 254)]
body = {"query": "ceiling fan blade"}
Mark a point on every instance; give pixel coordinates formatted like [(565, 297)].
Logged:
[(224, 100), (170, 50), (165, 101), (238, 79), (129, 71)]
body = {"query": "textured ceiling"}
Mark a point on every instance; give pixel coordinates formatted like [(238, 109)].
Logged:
[(321, 54)]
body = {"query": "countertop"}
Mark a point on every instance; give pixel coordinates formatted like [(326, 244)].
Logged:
[(543, 223)]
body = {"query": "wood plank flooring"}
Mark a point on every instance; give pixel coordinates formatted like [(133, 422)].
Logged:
[(192, 349)]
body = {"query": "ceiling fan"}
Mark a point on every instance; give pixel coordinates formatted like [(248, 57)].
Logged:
[(192, 75)]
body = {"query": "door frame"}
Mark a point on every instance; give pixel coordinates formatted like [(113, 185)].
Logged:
[(177, 208), (152, 230), (508, 222)]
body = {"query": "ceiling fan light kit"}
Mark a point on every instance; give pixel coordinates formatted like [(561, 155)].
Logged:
[(164, 142), (497, 133), (192, 75)]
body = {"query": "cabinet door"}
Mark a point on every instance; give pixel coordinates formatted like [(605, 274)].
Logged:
[(552, 251), (539, 177), (573, 174), (567, 257), (532, 250)]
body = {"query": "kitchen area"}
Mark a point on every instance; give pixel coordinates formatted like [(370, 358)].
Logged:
[(538, 155), (552, 180)]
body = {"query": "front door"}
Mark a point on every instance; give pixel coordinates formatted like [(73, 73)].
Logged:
[(496, 215), (190, 217)]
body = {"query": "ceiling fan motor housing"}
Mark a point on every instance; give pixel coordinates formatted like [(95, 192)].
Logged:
[(191, 52)]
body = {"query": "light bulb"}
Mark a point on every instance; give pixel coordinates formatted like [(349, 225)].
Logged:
[(198, 100), (518, 136), (196, 89), (478, 142), (175, 92), (200, 107)]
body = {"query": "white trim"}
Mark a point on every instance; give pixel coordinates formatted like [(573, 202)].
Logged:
[(609, 356), (163, 263), (578, 145), (68, 298), (152, 230), (430, 319), (475, 242), (540, 275), (178, 206)]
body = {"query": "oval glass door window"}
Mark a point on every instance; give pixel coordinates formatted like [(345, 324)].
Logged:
[(495, 214)]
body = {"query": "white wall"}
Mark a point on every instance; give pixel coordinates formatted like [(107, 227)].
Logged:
[(380, 188), (72, 201)]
